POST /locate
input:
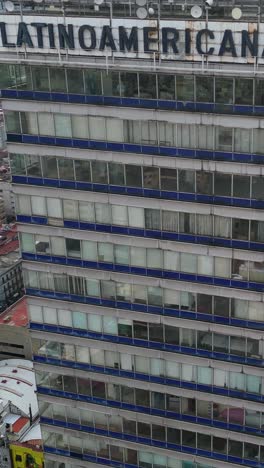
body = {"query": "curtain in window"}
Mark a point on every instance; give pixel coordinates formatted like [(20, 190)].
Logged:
[(186, 136), (92, 287), (110, 325), (222, 267), (126, 362), (142, 364), (114, 129), (65, 317), (187, 372), (105, 252), (220, 378), (46, 281), (97, 130), (145, 458), (258, 141), (61, 283), (156, 367), (187, 337), (123, 292), (253, 383), (204, 375), (46, 123), (35, 313), (80, 126), (188, 263), (138, 256), (171, 260), (89, 251), (119, 215), (166, 134), (86, 211), (27, 242), (222, 226), (102, 213), (136, 217), (54, 208), (149, 132), (70, 209), (242, 140), (122, 254), (205, 265), (152, 219), (58, 246), (205, 134), (23, 204), (38, 206), (79, 320), (256, 311), (169, 221), (50, 315), (154, 258), (95, 323), (30, 123), (171, 298), (63, 125), (97, 356), (82, 355), (31, 279), (237, 381), (172, 369), (241, 308), (204, 225)]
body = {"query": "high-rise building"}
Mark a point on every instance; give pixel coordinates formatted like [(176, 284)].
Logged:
[(136, 138)]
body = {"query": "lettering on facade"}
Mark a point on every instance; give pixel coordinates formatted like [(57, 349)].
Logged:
[(147, 40)]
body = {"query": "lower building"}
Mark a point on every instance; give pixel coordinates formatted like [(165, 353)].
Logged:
[(14, 332)]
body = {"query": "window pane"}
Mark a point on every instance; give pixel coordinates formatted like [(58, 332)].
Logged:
[(241, 186), (185, 88), (40, 78), (222, 184), (133, 176), (116, 174), (129, 84), (166, 87), (204, 89), (93, 84), (75, 81), (224, 90), (58, 79), (147, 86), (243, 91), (82, 170)]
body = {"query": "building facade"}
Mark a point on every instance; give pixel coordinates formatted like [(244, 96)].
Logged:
[(136, 139)]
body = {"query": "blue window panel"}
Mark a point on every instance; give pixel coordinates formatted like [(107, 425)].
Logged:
[(35, 181), (130, 148), (14, 138), (51, 182), (204, 198), (9, 93), (256, 246), (67, 184), (166, 194), (149, 103), (71, 224), (162, 104), (257, 204), (148, 149), (237, 244), (169, 236), (203, 154), (39, 220), (25, 94), (117, 189), (135, 191), (186, 196), (61, 97), (243, 109), (78, 98), (222, 282), (190, 153), (167, 151), (73, 262), (153, 272), (204, 107), (63, 142), (111, 146), (42, 96), (88, 264), (222, 200), (130, 102), (241, 202), (111, 101), (100, 187), (46, 140), (205, 279), (99, 145), (155, 234), (83, 186), (256, 286), (43, 258), (94, 99), (103, 228), (152, 193), (80, 143), (28, 256), (121, 230), (19, 179)]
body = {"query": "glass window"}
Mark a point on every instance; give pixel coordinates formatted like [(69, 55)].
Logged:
[(40, 78), (75, 81), (242, 140), (241, 186), (224, 90), (119, 215), (185, 88), (224, 139), (97, 128), (33, 165), (80, 126), (166, 87), (73, 247), (105, 252), (17, 163), (133, 176), (46, 123), (102, 213), (111, 85), (169, 221), (99, 172), (147, 86), (63, 125), (259, 92), (204, 182), (244, 91), (93, 84), (222, 184), (204, 89), (66, 169), (240, 229), (49, 167), (258, 187), (151, 177), (82, 170), (168, 179), (186, 181), (116, 174), (188, 263), (29, 121), (58, 79), (152, 219), (129, 84), (221, 306), (121, 254)]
